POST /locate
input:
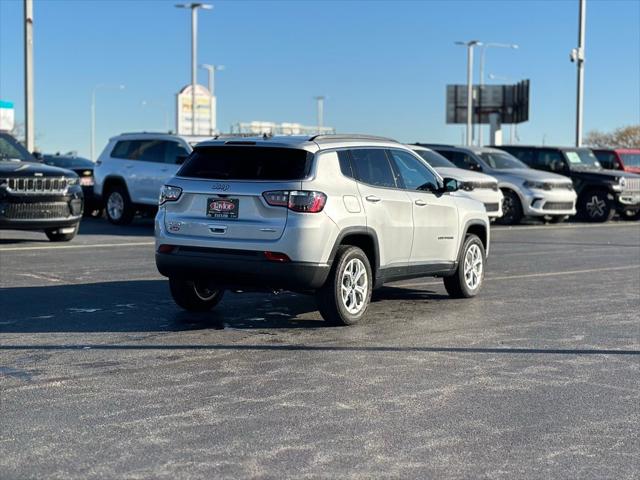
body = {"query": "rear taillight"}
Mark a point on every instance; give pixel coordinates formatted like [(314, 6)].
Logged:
[(303, 201)]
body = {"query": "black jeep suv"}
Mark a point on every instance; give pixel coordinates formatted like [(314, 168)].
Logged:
[(601, 193), (34, 196)]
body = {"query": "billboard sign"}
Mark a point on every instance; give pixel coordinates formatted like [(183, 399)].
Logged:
[(7, 116), (204, 106), (511, 102)]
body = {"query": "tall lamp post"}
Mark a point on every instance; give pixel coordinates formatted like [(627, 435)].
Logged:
[(577, 56), (211, 69), (194, 53), (482, 59), (320, 111), (93, 113), (28, 76), (470, 44)]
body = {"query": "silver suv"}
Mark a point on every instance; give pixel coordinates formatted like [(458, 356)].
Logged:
[(332, 215), (527, 192)]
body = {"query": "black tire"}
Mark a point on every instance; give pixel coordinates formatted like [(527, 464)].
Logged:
[(329, 297), (456, 285), (55, 235), (120, 196), (595, 206), (194, 296), (511, 208)]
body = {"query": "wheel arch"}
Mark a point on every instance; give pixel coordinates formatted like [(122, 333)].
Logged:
[(113, 180), (478, 228), (364, 238)]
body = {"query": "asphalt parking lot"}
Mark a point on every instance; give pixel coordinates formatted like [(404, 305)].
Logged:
[(102, 376)]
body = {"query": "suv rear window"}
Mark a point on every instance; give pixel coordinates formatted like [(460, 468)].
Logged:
[(247, 163)]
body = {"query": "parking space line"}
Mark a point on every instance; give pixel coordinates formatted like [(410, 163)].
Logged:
[(516, 228), (70, 247), (534, 275)]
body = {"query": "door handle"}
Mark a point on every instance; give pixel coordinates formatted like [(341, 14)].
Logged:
[(420, 203), (128, 166), (164, 169), (372, 198)]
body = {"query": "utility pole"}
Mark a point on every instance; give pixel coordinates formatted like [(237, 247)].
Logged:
[(320, 112), (577, 56), (29, 120), (470, 44), (194, 54), (213, 117)]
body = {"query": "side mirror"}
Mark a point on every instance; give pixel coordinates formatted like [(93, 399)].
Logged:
[(38, 156), (475, 167), (450, 185), (180, 159)]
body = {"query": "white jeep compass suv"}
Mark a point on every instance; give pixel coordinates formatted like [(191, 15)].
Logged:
[(133, 167), (332, 215)]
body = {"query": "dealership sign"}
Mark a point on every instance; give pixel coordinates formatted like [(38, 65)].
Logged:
[(7, 116), (184, 110)]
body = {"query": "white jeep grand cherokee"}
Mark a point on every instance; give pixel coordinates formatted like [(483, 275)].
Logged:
[(331, 215)]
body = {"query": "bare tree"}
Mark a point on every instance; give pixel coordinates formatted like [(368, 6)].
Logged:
[(623, 137)]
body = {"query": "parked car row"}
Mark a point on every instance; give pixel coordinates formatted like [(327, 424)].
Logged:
[(513, 181)]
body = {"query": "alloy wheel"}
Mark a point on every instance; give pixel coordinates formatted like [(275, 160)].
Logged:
[(596, 207), (473, 267), (115, 205), (354, 285)]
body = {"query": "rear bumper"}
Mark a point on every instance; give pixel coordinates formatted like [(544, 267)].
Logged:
[(243, 269)]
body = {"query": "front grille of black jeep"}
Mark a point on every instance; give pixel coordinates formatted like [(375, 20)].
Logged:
[(35, 211)]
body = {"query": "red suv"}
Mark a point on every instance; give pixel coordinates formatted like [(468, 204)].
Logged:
[(627, 159)]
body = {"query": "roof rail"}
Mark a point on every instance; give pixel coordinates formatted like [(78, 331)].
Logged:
[(430, 145), (354, 136)]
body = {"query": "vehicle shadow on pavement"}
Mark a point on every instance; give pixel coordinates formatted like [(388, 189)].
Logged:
[(101, 226), (146, 306)]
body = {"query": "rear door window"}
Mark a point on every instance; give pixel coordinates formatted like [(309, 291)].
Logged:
[(247, 163), (142, 150), (371, 166)]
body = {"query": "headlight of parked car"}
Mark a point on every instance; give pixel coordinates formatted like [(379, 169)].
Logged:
[(72, 181), (536, 185), (169, 193), (619, 184)]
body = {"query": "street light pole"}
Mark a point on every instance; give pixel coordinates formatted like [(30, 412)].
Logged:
[(482, 60), (28, 76), (577, 55), (470, 44), (320, 112), (93, 115), (194, 54), (211, 69)]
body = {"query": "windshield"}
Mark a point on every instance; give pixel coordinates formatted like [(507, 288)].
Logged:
[(502, 160), (435, 159), (582, 158), (631, 159), (68, 162), (10, 149)]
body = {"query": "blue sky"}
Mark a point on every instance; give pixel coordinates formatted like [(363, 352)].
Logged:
[(383, 65)]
